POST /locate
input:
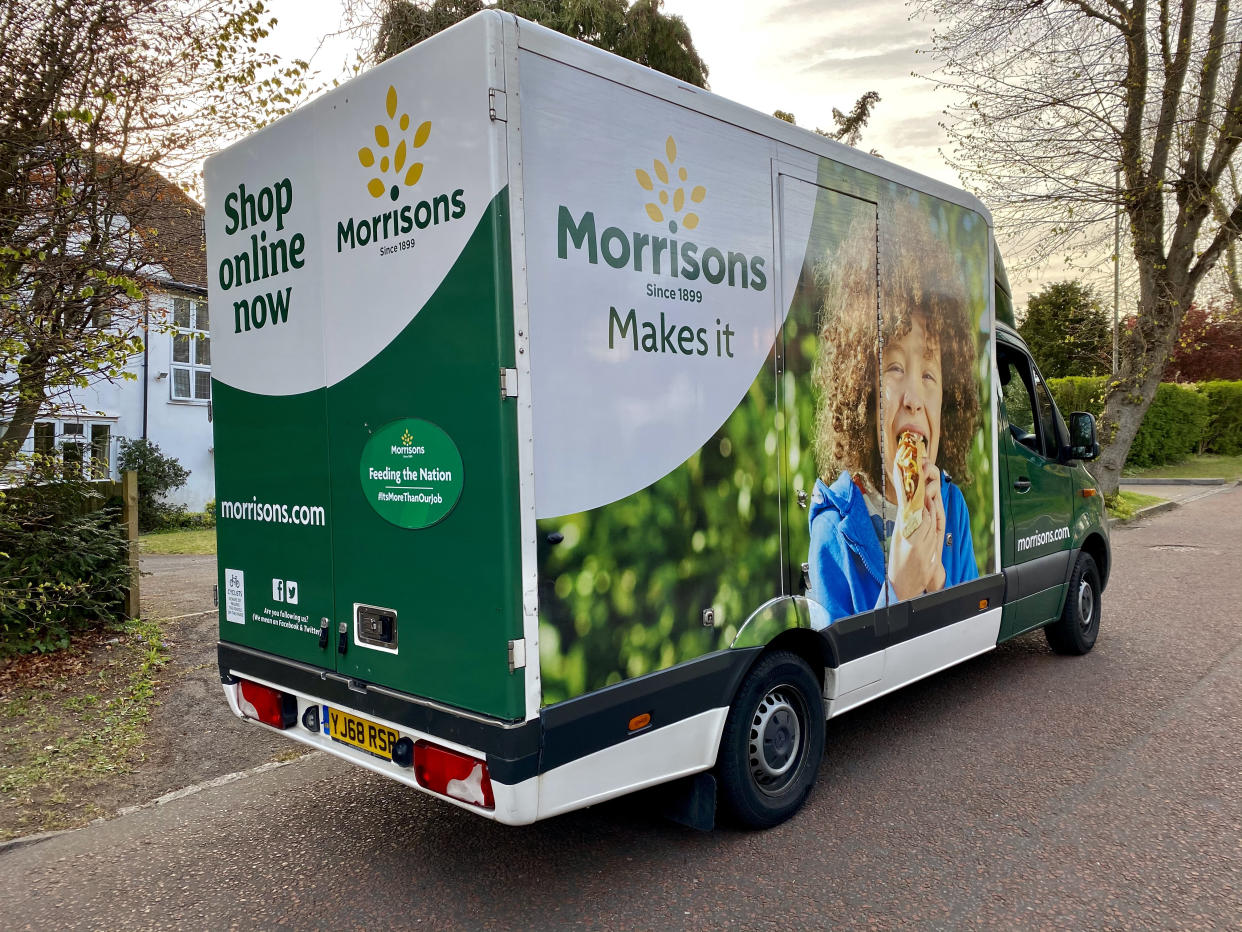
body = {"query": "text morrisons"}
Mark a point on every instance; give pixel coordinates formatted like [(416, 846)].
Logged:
[(356, 232), (660, 254)]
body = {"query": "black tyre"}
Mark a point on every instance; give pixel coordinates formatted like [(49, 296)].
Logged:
[(1079, 625), (773, 742)]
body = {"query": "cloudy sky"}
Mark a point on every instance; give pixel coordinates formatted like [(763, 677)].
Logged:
[(803, 56)]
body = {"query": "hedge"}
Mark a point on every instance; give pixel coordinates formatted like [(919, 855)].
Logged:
[(1182, 419), (1223, 433), (64, 564)]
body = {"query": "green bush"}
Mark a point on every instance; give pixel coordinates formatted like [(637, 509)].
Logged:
[(157, 476), (64, 563), (188, 521), (1223, 432), (1182, 419), (1078, 393), (1172, 428)]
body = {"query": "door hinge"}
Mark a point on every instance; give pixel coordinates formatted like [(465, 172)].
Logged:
[(517, 654), (497, 105), (508, 383)]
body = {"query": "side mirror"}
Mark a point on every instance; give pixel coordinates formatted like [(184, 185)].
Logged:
[(1083, 444)]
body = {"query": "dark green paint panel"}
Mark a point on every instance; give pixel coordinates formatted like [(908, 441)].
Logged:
[(456, 586), (1029, 613), (271, 456)]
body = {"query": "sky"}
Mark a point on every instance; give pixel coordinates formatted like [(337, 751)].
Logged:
[(801, 56)]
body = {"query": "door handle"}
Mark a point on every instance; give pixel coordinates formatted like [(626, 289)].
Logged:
[(1022, 484), (801, 498), (806, 577)]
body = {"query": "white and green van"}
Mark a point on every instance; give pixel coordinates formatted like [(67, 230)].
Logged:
[(577, 430)]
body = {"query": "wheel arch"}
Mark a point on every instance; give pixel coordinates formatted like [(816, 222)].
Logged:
[(1097, 548)]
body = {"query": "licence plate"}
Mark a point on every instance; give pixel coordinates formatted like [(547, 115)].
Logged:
[(360, 733)]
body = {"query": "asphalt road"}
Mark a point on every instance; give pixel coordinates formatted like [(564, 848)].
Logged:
[(1019, 790)]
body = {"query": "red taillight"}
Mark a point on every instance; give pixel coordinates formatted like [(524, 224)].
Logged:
[(451, 774), (266, 705)]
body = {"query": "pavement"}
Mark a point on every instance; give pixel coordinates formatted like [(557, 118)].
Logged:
[(1019, 790)]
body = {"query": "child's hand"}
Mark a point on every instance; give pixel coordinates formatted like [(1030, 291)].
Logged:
[(933, 513), (914, 561)]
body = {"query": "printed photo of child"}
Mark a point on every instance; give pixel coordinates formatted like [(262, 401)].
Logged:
[(895, 419)]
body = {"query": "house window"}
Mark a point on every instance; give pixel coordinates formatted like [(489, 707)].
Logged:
[(44, 437), (101, 448), (191, 351)]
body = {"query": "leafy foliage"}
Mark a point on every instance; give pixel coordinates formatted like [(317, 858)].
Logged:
[(1068, 331), (1209, 346), (157, 476), (1051, 99), (638, 31), (1223, 432), (1182, 419), (97, 94), (64, 563)]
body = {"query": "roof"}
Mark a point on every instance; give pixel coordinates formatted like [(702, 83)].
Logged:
[(172, 229)]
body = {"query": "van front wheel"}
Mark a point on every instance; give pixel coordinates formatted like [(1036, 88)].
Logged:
[(773, 741), (1079, 625)]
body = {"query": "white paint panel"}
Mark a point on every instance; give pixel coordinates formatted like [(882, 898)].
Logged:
[(354, 299), (610, 418), (686, 747), (924, 655)]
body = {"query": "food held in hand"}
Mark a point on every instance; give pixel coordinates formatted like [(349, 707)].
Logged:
[(911, 451)]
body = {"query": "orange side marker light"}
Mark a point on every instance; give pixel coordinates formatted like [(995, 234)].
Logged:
[(639, 722)]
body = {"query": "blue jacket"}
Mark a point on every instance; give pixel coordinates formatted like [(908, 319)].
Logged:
[(847, 559)]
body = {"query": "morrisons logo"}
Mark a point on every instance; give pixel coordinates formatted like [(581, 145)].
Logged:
[(674, 205), (393, 165)]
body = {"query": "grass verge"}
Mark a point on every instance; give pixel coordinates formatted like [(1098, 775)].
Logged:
[(70, 720), (200, 541), (1126, 504), (1206, 466)]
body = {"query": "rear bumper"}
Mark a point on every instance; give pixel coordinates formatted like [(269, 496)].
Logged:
[(575, 754)]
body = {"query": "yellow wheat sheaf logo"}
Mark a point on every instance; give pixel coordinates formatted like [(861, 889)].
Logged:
[(672, 193), (406, 438), (385, 136)]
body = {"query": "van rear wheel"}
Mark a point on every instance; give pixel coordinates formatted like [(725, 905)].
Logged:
[(773, 742), (1075, 631)]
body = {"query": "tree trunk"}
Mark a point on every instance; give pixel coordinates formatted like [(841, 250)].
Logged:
[(30, 395), (1145, 350)]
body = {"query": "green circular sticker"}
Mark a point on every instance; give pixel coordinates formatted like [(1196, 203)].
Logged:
[(411, 473)]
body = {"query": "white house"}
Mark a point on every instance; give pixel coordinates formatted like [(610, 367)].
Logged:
[(169, 399)]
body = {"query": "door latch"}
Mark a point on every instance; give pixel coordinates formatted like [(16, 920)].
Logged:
[(342, 641), (325, 630), (801, 498), (806, 577)]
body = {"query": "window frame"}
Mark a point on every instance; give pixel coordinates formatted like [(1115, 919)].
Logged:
[(198, 340)]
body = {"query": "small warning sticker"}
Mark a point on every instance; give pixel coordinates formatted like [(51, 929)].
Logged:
[(235, 596)]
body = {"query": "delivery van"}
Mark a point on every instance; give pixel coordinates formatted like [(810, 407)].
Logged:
[(578, 431)]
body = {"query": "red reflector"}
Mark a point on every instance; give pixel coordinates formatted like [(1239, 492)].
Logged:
[(266, 705), (451, 774)]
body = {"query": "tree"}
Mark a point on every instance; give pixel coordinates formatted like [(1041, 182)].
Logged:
[(96, 93), (639, 32), (1210, 346), (849, 126), (1068, 331), (1056, 95)]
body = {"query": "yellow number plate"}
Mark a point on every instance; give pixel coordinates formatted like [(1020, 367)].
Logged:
[(360, 733)]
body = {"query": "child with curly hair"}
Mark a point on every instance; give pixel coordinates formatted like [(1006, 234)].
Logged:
[(870, 544)]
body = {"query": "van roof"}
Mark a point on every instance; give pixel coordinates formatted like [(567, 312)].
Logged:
[(554, 45)]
